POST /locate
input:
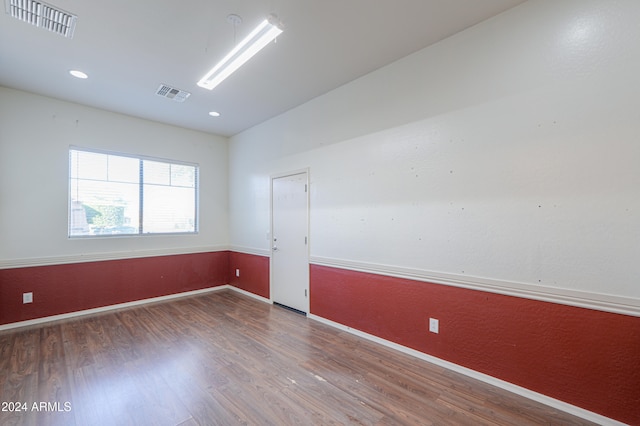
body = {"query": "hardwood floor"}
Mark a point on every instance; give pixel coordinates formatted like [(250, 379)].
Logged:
[(224, 358)]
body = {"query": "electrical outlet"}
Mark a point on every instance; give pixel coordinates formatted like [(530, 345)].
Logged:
[(434, 325), (237, 272), (27, 298)]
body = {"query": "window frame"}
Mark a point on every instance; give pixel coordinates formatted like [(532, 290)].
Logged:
[(141, 185)]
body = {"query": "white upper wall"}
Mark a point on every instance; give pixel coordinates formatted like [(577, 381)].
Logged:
[(507, 152), (35, 135)]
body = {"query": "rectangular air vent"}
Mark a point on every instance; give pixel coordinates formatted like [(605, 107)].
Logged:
[(172, 93), (43, 15)]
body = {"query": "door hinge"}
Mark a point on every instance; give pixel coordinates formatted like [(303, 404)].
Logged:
[(305, 292), (305, 241), (305, 187)]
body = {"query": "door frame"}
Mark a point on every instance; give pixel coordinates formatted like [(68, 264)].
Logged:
[(272, 177)]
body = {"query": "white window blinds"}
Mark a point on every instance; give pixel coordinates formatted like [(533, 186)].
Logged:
[(114, 194)]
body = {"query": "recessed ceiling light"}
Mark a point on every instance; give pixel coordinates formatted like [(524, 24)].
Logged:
[(78, 74), (214, 114)]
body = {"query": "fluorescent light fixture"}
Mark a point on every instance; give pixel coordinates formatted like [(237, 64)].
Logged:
[(214, 113), (264, 33)]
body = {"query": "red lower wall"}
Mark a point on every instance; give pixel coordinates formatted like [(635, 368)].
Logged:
[(66, 288), (587, 358), (254, 273)]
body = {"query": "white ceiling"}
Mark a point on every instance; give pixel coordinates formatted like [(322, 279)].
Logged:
[(129, 48)]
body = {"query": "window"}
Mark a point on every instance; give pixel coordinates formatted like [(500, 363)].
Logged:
[(116, 194)]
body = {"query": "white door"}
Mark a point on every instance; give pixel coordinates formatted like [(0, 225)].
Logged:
[(289, 241)]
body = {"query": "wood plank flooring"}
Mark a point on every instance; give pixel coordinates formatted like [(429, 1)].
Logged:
[(226, 359)]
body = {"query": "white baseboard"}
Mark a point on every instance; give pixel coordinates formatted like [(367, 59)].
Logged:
[(510, 387), (43, 320), (247, 293)]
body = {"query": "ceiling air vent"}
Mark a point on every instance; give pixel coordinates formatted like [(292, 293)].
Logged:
[(43, 15), (172, 93)]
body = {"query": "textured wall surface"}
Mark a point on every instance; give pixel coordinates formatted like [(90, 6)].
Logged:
[(508, 151), (35, 135), (584, 357), (61, 289), (254, 273)]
